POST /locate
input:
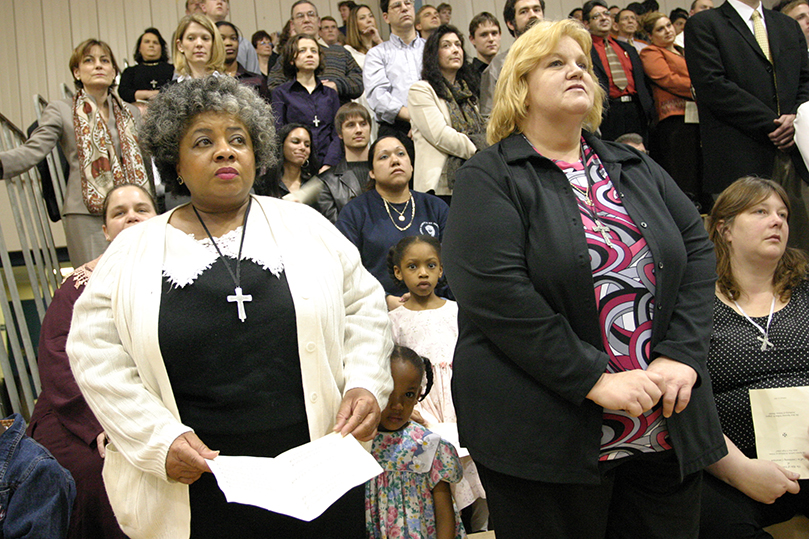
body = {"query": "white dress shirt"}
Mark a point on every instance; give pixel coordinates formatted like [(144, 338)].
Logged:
[(746, 13), (390, 69)]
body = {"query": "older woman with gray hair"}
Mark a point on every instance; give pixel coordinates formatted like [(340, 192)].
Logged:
[(235, 322)]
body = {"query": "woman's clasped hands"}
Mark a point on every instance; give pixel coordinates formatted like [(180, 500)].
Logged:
[(637, 391)]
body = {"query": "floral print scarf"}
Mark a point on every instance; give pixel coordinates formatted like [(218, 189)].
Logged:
[(99, 163)]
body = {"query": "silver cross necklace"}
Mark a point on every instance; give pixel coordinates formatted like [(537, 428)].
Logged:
[(238, 297), (765, 342)]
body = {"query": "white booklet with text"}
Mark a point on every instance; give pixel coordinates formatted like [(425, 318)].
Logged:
[(781, 423)]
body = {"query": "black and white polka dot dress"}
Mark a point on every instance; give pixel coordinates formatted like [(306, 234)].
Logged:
[(737, 363)]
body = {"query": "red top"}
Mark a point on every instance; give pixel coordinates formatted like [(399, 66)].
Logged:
[(626, 63)]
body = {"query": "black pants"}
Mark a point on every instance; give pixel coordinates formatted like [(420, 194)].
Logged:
[(621, 117), (640, 498), (675, 145), (727, 513)]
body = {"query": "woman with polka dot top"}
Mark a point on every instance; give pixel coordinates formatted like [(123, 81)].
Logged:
[(760, 340)]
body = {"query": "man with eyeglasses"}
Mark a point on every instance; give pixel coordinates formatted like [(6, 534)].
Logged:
[(218, 10), (341, 72), (393, 66), (519, 15), (628, 107), (328, 30)]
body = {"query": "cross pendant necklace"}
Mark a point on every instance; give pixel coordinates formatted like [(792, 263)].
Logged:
[(765, 343), (602, 229), (238, 297), (316, 121), (764, 339), (585, 192), (598, 226)]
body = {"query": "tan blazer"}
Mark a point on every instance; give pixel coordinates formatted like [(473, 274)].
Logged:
[(434, 139), (56, 126)]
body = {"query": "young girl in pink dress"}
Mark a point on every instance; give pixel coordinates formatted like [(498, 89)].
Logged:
[(411, 499), (429, 325)]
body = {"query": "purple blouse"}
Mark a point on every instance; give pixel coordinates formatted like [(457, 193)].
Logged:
[(292, 103)]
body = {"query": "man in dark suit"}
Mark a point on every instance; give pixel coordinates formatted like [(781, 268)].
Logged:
[(619, 70), (747, 96)]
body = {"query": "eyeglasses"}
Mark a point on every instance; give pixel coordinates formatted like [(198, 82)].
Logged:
[(600, 15), (398, 6), (264, 41), (308, 15)]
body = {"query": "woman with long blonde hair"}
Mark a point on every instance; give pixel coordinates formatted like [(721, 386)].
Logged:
[(362, 33), (198, 48)]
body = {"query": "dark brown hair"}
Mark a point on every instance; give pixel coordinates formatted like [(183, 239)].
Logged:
[(348, 111), (106, 204), (290, 54)]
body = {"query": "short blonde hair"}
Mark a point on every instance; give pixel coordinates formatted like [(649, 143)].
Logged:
[(217, 60), (510, 111)]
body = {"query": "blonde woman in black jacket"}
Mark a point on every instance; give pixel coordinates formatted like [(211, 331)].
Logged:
[(583, 277)]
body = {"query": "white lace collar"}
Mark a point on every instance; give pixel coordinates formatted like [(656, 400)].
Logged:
[(186, 257)]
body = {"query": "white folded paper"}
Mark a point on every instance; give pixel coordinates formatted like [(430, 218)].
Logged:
[(780, 421), (302, 482)]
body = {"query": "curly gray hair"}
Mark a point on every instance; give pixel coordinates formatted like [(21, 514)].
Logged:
[(172, 111)]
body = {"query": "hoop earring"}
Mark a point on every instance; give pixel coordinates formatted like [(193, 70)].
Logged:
[(180, 180), (306, 164)]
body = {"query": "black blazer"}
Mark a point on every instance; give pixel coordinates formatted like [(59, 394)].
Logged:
[(739, 94), (641, 82), (529, 345)]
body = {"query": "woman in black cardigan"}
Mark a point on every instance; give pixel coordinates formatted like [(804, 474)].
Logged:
[(583, 277)]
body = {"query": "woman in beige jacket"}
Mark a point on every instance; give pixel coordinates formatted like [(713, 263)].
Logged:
[(98, 134), (447, 126)]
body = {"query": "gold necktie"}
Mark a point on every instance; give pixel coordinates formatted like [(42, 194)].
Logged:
[(616, 69), (761, 34)]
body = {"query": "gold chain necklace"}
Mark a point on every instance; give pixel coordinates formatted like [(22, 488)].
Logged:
[(401, 213), (412, 203)]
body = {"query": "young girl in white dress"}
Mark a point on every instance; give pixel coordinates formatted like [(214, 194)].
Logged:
[(429, 325)]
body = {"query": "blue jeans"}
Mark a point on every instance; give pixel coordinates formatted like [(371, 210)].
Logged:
[(36, 493)]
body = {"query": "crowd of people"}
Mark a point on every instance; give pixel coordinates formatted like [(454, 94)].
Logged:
[(317, 230)]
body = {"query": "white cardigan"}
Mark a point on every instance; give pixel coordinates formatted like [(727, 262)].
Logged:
[(344, 342), (434, 139)]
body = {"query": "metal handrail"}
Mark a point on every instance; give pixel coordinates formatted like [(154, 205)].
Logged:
[(33, 228), (54, 163), (42, 268), (67, 93)]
